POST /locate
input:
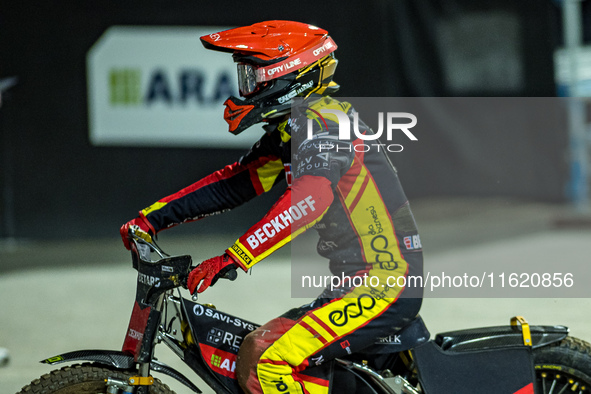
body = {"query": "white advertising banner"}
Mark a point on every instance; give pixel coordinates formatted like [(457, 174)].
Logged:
[(159, 87)]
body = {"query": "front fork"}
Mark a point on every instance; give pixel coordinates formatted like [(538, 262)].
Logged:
[(133, 385), (141, 383), (118, 386)]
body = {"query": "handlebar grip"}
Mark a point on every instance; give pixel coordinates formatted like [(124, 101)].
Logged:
[(231, 274)]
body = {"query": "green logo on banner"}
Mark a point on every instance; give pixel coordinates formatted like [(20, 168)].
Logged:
[(124, 84), (215, 360)]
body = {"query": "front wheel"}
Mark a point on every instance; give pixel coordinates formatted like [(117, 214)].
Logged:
[(83, 379), (564, 367)]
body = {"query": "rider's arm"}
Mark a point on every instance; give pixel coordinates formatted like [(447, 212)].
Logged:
[(254, 174), (316, 175), (298, 209)]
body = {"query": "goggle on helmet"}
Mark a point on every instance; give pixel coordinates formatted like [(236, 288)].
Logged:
[(276, 61)]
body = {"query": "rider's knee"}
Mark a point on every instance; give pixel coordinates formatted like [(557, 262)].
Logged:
[(252, 348), (246, 362)]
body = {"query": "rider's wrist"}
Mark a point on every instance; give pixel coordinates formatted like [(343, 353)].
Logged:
[(236, 259), (151, 229)]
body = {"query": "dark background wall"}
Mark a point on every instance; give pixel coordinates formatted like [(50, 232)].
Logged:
[(56, 184)]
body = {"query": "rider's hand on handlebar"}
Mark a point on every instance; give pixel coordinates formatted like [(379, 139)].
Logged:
[(210, 271), (141, 224)]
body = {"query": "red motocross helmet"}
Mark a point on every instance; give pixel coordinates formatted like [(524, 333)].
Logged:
[(277, 60)]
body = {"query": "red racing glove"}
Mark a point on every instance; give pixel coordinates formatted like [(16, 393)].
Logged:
[(210, 271), (142, 224)]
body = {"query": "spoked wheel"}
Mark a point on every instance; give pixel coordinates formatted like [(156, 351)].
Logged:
[(564, 367), (83, 379), (552, 382)]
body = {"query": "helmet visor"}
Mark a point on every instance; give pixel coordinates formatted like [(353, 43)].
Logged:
[(247, 81)]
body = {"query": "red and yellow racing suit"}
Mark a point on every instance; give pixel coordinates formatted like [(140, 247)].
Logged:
[(353, 198)]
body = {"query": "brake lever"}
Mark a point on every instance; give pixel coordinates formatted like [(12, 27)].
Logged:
[(231, 275)]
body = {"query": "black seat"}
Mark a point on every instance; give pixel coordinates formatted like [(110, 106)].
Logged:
[(410, 336)]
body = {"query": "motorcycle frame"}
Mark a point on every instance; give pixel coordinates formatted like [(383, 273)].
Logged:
[(191, 355), (158, 329)]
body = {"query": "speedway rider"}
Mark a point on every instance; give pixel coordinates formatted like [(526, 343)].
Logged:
[(353, 199)]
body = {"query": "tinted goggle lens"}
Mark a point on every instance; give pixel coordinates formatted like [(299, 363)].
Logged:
[(247, 82)]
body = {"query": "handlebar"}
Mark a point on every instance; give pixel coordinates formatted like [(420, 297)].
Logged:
[(142, 245)]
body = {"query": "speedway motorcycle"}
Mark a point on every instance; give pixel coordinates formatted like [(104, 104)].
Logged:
[(515, 358)]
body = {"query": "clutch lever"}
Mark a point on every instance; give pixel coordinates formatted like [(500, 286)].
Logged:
[(140, 237)]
